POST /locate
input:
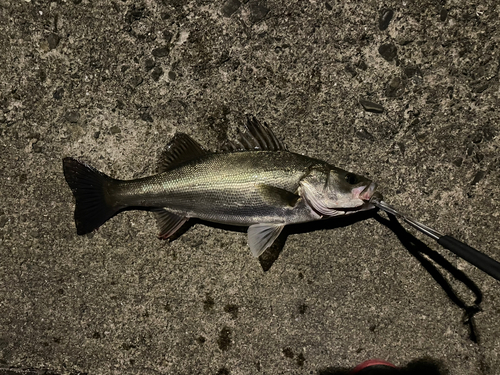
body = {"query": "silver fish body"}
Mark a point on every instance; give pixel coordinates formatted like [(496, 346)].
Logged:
[(257, 183), (228, 188)]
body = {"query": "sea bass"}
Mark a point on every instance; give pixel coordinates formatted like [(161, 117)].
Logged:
[(254, 181)]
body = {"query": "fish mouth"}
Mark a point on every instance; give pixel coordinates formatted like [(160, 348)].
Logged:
[(365, 192)]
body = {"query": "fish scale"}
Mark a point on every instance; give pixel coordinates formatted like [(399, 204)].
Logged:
[(221, 186)]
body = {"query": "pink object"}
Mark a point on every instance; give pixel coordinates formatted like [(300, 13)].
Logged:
[(370, 363)]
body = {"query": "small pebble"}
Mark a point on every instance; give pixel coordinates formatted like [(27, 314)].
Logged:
[(53, 40), (201, 340), (288, 352), (362, 65), (478, 158), (301, 360), (156, 73), (146, 117), (149, 64), (136, 81), (37, 148), (115, 130), (411, 71), (421, 137), (385, 19), (489, 134), (351, 70), (479, 87), (443, 14), (167, 35), (229, 7), (395, 87), (42, 75), (477, 138), (370, 106), (402, 147), (73, 116), (58, 94), (135, 14), (160, 52), (388, 51), (120, 104), (257, 11), (363, 134), (478, 177), (458, 162)]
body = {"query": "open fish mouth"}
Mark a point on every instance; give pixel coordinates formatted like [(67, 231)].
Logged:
[(365, 192)]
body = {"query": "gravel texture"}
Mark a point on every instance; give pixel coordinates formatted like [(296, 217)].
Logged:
[(112, 81)]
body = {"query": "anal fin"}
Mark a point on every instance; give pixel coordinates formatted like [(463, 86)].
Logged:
[(168, 223), (262, 236)]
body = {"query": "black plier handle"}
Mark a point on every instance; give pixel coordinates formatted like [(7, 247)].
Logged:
[(471, 255)]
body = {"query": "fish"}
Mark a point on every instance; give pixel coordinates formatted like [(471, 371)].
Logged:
[(253, 181)]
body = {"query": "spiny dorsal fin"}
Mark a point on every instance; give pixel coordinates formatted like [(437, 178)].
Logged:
[(181, 149), (257, 137)]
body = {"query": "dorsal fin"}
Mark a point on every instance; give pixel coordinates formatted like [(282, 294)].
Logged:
[(181, 149), (257, 137)]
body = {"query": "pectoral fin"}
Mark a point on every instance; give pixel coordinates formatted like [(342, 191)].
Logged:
[(168, 223), (277, 197), (261, 236)]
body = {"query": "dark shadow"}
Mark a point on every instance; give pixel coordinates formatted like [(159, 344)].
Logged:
[(422, 252), (272, 254), (192, 222), (268, 258), (422, 366), (417, 248)]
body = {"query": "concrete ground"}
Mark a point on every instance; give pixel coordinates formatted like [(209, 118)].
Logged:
[(112, 81)]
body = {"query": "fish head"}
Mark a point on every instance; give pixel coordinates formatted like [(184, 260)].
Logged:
[(332, 191)]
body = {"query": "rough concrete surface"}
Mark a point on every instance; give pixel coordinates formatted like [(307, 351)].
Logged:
[(110, 82)]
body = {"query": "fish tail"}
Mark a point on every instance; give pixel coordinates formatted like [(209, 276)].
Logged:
[(91, 190)]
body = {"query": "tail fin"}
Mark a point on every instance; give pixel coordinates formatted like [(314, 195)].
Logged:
[(90, 188)]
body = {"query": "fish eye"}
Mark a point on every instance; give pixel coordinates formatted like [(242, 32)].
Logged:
[(351, 178)]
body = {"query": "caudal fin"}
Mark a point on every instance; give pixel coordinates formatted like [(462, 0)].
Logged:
[(90, 188)]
